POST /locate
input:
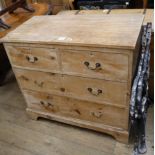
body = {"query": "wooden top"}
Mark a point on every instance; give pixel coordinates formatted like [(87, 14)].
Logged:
[(101, 11), (84, 12), (149, 17), (148, 13), (20, 16), (114, 31), (127, 11)]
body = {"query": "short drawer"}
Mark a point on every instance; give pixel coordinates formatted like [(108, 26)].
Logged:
[(33, 58), (37, 80), (109, 66), (96, 90), (73, 108)]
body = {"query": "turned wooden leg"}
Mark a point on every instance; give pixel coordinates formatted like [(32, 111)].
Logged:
[(32, 115)]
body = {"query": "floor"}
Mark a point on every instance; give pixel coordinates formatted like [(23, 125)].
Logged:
[(21, 136)]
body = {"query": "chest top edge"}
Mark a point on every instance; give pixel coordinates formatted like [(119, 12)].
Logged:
[(71, 47)]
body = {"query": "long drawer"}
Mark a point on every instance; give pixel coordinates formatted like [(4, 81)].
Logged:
[(96, 90), (104, 65), (34, 58), (68, 107)]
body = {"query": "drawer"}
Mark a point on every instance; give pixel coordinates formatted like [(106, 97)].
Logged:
[(96, 90), (33, 58), (37, 80), (109, 66), (73, 108)]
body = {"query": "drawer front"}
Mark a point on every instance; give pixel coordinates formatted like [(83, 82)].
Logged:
[(95, 90), (39, 81), (33, 58), (67, 107), (109, 66)]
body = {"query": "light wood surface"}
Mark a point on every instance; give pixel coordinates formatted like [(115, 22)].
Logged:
[(89, 84), (63, 85), (82, 30), (102, 11), (34, 58), (111, 68), (149, 17), (148, 13), (84, 112), (127, 11), (73, 63)]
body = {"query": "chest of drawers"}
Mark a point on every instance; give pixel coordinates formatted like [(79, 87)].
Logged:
[(78, 69)]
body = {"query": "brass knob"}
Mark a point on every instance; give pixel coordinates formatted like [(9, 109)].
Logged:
[(39, 83), (97, 114), (95, 91), (45, 104), (92, 66), (31, 58)]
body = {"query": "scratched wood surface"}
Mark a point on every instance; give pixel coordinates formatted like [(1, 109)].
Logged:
[(149, 17), (73, 86), (111, 68), (32, 62), (72, 61), (41, 58), (82, 30), (148, 13), (48, 70), (76, 109), (20, 135)]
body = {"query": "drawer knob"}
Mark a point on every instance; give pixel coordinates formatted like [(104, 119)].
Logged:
[(62, 89), (45, 104), (97, 114), (39, 84), (95, 91), (31, 58), (92, 66)]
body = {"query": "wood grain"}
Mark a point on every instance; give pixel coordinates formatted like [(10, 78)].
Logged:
[(34, 58), (82, 110), (76, 87), (87, 82), (149, 17), (81, 30), (71, 60), (148, 13), (111, 68)]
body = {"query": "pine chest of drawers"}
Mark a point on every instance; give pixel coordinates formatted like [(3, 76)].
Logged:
[(78, 69)]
